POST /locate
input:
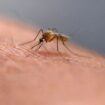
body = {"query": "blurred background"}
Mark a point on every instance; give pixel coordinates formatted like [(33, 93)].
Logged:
[(85, 18)]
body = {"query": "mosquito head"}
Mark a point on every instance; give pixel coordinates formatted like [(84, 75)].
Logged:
[(41, 40)]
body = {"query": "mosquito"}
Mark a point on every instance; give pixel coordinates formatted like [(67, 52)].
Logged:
[(48, 36)]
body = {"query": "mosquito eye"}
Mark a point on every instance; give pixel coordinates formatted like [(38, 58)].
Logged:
[(41, 40)]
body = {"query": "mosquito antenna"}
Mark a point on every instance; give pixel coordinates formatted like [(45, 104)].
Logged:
[(41, 30)]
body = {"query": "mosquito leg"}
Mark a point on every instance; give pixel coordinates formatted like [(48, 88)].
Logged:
[(35, 49), (41, 30), (45, 48), (26, 43), (71, 50), (39, 47), (59, 51), (35, 45), (57, 45)]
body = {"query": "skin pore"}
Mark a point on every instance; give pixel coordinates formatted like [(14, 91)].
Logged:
[(44, 77)]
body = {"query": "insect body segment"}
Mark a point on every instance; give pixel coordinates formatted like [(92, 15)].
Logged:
[(48, 36), (62, 37)]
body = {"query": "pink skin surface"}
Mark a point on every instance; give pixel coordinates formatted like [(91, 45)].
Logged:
[(44, 77)]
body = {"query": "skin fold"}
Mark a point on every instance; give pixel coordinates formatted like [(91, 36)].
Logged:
[(47, 77)]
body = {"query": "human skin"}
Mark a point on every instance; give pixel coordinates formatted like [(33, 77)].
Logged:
[(44, 77)]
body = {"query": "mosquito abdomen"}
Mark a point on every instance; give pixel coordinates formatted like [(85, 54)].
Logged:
[(63, 37)]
